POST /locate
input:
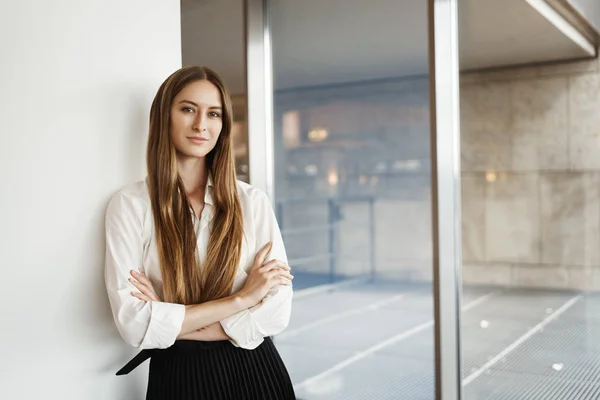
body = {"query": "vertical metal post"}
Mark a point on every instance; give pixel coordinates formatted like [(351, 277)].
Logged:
[(372, 237), (445, 158), (259, 82), (331, 219), (279, 214)]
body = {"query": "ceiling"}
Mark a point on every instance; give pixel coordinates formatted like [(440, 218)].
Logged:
[(510, 32), (317, 42)]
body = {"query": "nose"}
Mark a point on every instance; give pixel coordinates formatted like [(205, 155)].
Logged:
[(199, 123)]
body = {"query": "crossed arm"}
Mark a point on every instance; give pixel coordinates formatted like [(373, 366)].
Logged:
[(209, 333), (262, 278), (261, 308)]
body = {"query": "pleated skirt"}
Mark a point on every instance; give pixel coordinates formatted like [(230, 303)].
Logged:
[(192, 370)]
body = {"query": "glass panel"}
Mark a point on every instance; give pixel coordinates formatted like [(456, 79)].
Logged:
[(353, 196), (530, 230), (226, 56)]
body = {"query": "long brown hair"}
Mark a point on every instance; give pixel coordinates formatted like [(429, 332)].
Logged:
[(184, 282)]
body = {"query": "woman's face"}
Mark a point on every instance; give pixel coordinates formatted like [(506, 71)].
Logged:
[(196, 119)]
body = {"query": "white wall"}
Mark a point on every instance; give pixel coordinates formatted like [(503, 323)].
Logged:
[(76, 82)]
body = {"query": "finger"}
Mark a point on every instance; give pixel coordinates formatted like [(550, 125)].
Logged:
[(141, 296), (284, 281), (268, 266), (264, 252), (147, 291), (154, 297), (278, 264), (146, 297), (278, 273), (148, 287), (284, 274), (274, 264), (142, 288), (287, 275), (281, 272), (259, 260), (142, 278)]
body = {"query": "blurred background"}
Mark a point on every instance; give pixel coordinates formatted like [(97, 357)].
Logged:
[(353, 190)]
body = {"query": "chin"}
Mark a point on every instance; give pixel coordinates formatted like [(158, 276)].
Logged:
[(195, 152)]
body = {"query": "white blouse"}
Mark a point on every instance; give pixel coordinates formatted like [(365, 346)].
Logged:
[(131, 244)]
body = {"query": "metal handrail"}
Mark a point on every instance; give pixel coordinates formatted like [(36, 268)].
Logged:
[(306, 260), (333, 218), (308, 229)]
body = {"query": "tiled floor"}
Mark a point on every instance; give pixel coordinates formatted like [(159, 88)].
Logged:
[(375, 341)]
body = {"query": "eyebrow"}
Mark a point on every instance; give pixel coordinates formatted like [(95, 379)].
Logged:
[(196, 105)]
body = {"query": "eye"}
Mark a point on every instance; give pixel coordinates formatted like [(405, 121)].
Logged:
[(214, 114), (187, 109)]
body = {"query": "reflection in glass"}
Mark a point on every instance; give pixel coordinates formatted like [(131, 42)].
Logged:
[(239, 132), (225, 55), (353, 197)]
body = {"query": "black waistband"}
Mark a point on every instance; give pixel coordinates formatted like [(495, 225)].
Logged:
[(185, 345), (136, 361)]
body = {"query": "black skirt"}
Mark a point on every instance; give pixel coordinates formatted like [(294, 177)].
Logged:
[(193, 370)]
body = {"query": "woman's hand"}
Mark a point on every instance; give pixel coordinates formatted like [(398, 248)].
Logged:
[(262, 277), (143, 284)]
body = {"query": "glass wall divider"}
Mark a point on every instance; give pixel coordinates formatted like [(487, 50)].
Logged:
[(260, 95), (445, 158)]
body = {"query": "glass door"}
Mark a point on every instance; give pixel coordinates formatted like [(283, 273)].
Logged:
[(352, 191)]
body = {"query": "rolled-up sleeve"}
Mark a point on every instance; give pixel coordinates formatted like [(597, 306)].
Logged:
[(248, 328), (144, 325)]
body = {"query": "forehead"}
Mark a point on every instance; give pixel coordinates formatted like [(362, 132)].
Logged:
[(200, 92)]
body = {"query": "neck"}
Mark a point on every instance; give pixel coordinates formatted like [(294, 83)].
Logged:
[(193, 173)]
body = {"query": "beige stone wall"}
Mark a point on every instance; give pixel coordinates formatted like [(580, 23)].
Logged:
[(530, 180), (531, 176)]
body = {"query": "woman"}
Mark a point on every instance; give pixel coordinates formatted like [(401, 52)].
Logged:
[(213, 282)]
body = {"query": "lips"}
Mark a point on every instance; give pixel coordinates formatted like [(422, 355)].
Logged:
[(197, 139)]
